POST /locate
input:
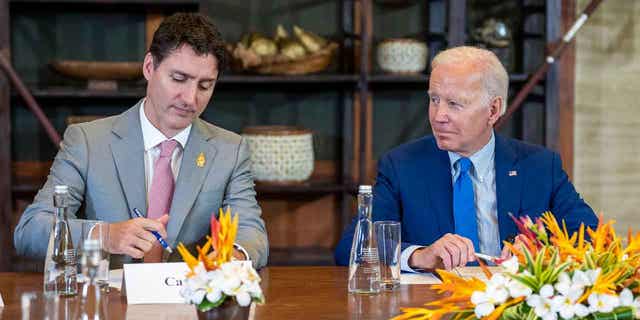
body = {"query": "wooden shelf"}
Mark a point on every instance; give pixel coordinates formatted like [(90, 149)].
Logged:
[(55, 92), (138, 91), (135, 92), (423, 78), (302, 79), (25, 185), (398, 78), (29, 176), (160, 2)]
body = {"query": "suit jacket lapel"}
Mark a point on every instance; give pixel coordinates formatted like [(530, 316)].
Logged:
[(440, 189), (508, 186), (190, 178), (127, 148)]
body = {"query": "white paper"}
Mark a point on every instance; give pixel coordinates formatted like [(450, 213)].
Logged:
[(115, 278), (469, 272), (1, 302), (419, 278), (151, 283)]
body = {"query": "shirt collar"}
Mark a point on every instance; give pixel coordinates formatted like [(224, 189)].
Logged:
[(152, 136), (482, 160)]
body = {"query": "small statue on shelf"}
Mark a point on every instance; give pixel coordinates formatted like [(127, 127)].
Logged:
[(496, 35)]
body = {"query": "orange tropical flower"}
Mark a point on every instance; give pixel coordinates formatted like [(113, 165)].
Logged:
[(223, 235)]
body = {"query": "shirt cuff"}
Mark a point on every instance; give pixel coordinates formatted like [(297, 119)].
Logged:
[(404, 259), (241, 249)]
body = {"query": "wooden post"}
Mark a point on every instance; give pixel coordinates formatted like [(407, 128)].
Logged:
[(566, 88), (6, 214), (457, 22), (552, 110)]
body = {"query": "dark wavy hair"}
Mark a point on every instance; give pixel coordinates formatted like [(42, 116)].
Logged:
[(193, 29)]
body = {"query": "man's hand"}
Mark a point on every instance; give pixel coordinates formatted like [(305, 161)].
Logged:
[(133, 237), (448, 252), (517, 243)]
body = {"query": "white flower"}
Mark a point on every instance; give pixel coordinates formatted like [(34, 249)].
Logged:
[(546, 291), (564, 305), (235, 278), (581, 310), (196, 297), (517, 289), (511, 264), (496, 293), (483, 302), (566, 287), (214, 294), (243, 298), (636, 304), (626, 298), (565, 302), (604, 303), (542, 303), (585, 278)]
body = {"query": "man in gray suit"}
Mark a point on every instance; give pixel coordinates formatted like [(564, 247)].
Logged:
[(114, 165)]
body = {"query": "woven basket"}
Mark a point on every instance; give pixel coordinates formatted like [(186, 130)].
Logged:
[(246, 61), (280, 154), (402, 56)]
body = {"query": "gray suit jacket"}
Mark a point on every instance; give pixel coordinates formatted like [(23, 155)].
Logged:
[(102, 162)]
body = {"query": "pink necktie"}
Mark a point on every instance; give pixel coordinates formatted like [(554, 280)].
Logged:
[(161, 192)]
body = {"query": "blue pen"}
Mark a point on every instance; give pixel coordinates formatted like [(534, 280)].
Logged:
[(155, 233)]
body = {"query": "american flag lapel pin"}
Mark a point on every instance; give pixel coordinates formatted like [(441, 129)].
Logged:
[(513, 173)]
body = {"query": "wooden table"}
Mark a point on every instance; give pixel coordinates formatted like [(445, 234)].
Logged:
[(291, 293)]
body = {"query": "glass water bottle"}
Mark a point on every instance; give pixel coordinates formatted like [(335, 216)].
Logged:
[(60, 266), (364, 264)]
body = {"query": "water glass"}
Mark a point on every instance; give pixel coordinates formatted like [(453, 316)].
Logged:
[(388, 239), (38, 305), (95, 234)]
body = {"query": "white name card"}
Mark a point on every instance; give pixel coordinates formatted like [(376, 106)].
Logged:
[(150, 283)]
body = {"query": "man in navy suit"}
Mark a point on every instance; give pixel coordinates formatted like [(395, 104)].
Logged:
[(454, 191)]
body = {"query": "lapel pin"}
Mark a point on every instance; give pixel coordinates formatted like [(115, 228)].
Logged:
[(513, 173), (200, 161)]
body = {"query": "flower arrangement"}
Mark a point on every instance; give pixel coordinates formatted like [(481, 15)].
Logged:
[(215, 276), (552, 275)]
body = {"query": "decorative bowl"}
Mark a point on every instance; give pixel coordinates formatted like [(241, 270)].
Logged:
[(402, 55), (98, 70), (280, 154)]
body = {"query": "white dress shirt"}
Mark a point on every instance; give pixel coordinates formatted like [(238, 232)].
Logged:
[(152, 138), (483, 177)]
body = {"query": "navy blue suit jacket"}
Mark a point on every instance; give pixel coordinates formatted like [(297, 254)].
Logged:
[(414, 186)]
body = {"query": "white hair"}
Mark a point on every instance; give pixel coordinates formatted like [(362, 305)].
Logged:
[(493, 74)]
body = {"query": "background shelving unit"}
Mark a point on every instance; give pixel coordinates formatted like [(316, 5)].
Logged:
[(356, 112)]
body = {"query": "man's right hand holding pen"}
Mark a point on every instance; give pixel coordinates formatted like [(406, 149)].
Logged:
[(133, 237)]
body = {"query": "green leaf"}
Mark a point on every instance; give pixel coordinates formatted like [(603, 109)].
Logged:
[(528, 281), (516, 312), (538, 264), (207, 305), (620, 313), (527, 256)]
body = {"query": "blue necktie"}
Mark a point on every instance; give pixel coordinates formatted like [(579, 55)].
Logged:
[(464, 208)]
